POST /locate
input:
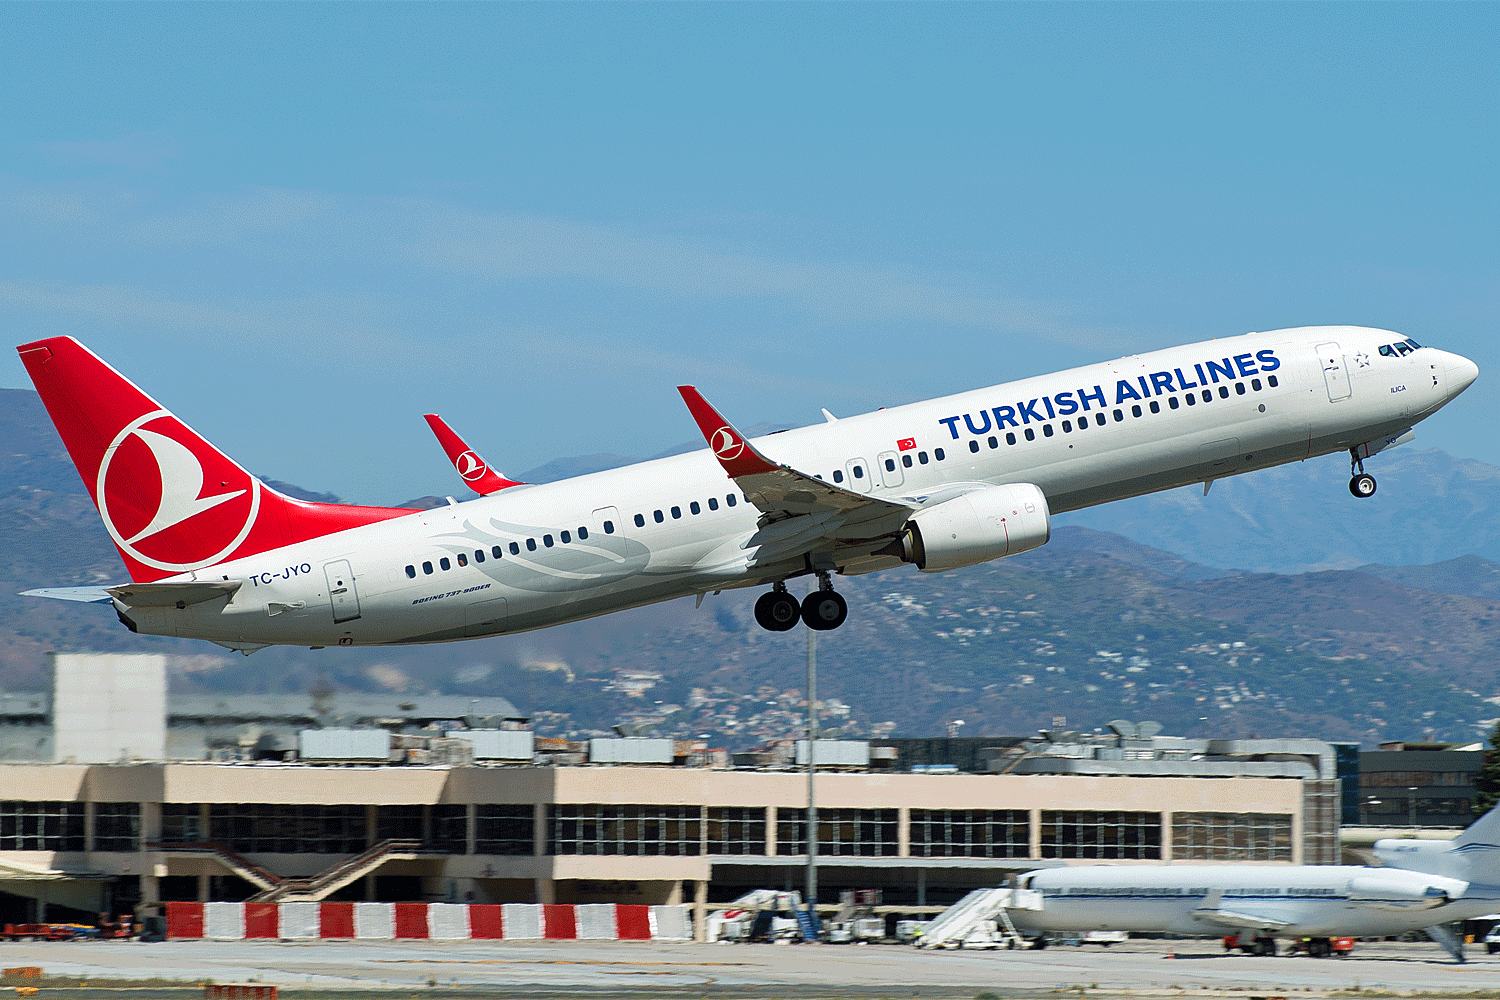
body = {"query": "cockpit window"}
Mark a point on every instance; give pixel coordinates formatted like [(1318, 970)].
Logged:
[(1402, 348), (1399, 349), (1387, 351), (1412, 343)]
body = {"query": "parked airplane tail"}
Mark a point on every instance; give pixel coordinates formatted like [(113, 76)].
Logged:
[(1473, 855), (171, 501)]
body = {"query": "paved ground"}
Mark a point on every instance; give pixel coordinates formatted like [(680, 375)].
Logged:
[(642, 970)]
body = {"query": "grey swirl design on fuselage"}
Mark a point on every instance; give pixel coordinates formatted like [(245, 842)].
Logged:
[(598, 560)]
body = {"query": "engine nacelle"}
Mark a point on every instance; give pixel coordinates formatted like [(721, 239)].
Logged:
[(1398, 890), (976, 527)]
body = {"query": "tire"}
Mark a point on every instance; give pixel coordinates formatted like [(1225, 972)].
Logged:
[(1362, 486), (776, 611), (824, 610)]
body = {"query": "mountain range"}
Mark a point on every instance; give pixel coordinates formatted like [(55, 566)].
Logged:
[(1277, 605)]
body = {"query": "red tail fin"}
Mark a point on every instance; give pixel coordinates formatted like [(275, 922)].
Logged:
[(171, 501)]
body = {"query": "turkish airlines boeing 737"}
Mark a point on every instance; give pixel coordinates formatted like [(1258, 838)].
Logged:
[(213, 553)]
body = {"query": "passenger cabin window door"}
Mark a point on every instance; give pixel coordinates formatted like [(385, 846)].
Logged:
[(889, 464), (858, 471)]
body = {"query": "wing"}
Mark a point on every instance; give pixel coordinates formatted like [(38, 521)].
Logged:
[(781, 492), (1212, 911), (472, 469)]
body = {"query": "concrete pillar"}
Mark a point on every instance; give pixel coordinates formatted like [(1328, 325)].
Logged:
[(151, 886), (88, 824), (1166, 836), (903, 832), (150, 823), (205, 822), (372, 823), (1036, 833), (700, 910), (545, 889), (202, 886), (921, 886), (469, 826), (770, 831), (539, 830), (369, 881)]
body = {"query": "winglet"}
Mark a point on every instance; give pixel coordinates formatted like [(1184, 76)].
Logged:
[(471, 468), (737, 455)]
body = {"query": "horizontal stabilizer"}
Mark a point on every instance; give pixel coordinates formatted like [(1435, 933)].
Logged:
[(83, 595), (167, 595)]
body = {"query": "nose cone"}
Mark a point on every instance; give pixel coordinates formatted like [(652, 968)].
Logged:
[(1461, 373)]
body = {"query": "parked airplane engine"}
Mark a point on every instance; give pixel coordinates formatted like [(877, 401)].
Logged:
[(1398, 890), (976, 527)]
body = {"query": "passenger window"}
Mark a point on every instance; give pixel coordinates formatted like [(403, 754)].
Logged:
[(994, 443), (657, 516), (1083, 423), (411, 572), (906, 461), (1208, 395), (1239, 388), (584, 532), (1030, 434), (1099, 419), (1155, 406), (497, 552), (566, 536), (922, 457), (730, 500), (937, 453), (890, 463), (1191, 399), (676, 513), (695, 508), (427, 568), (1010, 437), (1272, 381), (1119, 415), (1255, 384), (1047, 430), (1172, 402), (713, 503), (1135, 410), (444, 564), (531, 545), (974, 446), (859, 472), (838, 476), (463, 560), (547, 541), (515, 549), (479, 555), (1223, 392), (640, 521), (1067, 427)]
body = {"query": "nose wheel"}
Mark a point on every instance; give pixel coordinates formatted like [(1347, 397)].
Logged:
[(1361, 483)]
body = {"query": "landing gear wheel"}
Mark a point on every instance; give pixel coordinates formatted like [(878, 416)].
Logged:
[(823, 610), (1362, 485), (776, 611), (1265, 946)]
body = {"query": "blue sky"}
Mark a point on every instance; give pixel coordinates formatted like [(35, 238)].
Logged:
[(303, 226)]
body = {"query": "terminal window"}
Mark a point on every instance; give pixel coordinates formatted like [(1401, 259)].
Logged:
[(841, 832), (970, 833), (273, 828), (450, 829), (508, 830), (737, 830), (181, 823), (1089, 834), (1204, 836), (590, 828), (117, 826), (398, 823), (41, 826)]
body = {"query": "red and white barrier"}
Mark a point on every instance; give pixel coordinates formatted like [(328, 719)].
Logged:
[(435, 921)]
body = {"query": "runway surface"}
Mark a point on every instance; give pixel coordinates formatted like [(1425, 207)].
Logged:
[(643, 970)]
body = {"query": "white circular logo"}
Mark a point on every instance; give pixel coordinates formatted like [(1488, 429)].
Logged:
[(471, 466), (727, 444), (151, 483)]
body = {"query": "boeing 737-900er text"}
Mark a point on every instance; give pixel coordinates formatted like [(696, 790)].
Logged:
[(214, 553), (1428, 885)]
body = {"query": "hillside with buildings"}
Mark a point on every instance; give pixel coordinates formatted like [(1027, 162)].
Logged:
[(1092, 627)]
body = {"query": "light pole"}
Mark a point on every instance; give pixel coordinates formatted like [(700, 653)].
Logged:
[(1364, 809), (1411, 799), (812, 758)]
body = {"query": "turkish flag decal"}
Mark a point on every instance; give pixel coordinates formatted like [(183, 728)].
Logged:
[(906, 444)]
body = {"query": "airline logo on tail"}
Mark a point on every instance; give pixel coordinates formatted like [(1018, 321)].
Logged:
[(727, 444), (169, 500)]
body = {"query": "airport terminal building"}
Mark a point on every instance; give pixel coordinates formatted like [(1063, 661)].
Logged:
[(497, 816)]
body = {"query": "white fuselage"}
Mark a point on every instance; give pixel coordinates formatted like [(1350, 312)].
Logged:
[(1269, 900), (675, 526)]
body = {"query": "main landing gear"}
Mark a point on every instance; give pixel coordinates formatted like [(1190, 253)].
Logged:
[(822, 610), (1361, 483)]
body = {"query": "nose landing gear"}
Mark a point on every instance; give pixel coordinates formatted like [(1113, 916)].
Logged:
[(1361, 483)]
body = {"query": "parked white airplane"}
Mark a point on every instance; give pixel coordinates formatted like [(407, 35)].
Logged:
[(1429, 885), (216, 554)]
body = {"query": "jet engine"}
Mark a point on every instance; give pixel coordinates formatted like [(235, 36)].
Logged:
[(1397, 890), (976, 527)]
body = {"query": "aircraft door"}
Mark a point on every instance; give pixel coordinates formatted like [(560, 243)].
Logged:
[(890, 469), (484, 617), (341, 590), (1335, 374), (607, 521), (859, 476)]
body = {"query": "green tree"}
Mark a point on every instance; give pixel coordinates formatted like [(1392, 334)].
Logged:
[(1487, 784)]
